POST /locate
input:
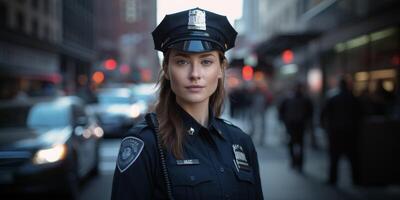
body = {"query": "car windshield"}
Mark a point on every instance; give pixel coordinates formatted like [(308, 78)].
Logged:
[(115, 96), (145, 92), (41, 115), (108, 99)]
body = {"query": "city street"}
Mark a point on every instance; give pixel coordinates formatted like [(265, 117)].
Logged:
[(314, 84), (279, 181)]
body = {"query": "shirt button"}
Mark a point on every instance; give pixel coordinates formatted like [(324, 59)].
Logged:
[(221, 170), (227, 196)]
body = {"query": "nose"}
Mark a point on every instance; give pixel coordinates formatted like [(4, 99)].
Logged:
[(195, 71)]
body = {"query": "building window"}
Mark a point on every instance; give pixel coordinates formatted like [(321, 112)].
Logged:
[(35, 4), (35, 28), (131, 11), (3, 15), (46, 6), (20, 21), (21, 1), (46, 31)]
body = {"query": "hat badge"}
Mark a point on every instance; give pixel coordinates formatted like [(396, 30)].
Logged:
[(197, 19)]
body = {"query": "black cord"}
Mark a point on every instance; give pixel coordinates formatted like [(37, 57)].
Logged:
[(151, 119)]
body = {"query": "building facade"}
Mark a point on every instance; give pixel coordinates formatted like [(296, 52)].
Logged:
[(46, 47), (123, 33), (30, 35)]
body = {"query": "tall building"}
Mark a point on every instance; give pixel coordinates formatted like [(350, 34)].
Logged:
[(30, 34), (333, 37), (77, 53), (46, 46), (123, 33)]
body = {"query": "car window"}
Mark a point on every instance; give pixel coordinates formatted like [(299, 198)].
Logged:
[(14, 116), (108, 99), (49, 115), (115, 96), (144, 92)]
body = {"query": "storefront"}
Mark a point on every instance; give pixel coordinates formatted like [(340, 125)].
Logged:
[(27, 71)]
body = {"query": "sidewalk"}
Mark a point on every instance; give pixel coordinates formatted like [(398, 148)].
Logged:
[(280, 182)]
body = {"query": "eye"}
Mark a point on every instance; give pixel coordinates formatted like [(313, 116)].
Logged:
[(181, 62), (207, 62)]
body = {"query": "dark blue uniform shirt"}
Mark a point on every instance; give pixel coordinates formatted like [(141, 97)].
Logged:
[(220, 162)]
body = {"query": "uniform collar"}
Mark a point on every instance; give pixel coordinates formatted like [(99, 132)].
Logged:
[(192, 127)]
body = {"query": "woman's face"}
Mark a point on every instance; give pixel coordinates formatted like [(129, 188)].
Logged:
[(193, 76)]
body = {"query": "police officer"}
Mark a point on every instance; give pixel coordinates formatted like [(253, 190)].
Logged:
[(205, 156)]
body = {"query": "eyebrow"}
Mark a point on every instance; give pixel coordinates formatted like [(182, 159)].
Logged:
[(187, 55)]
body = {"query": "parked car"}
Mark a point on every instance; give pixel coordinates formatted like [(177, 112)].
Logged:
[(145, 94), (117, 110), (47, 146)]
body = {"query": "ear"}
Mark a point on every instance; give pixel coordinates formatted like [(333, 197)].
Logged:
[(222, 70), (165, 72), (166, 76)]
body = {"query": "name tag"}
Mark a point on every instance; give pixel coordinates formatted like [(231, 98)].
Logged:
[(188, 162)]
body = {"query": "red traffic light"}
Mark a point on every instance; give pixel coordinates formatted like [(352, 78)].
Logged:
[(247, 73), (110, 64), (287, 56), (98, 77)]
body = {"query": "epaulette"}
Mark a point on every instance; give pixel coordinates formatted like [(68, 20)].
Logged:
[(138, 128), (228, 122)]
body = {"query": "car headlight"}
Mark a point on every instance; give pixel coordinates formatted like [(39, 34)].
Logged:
[(135, 111), (50, 155), (98, 132)]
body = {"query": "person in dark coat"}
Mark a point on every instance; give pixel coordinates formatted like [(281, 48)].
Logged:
[(340, 117), (205, 157), (296, 111)]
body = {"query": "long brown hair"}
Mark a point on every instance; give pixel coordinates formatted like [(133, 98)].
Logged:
[(170, 122)]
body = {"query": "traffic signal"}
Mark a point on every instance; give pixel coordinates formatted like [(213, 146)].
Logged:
[(287, 56), (247, 73), (110, 64), (98, 77)]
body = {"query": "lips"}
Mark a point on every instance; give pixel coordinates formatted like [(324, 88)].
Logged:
[(194, 88)]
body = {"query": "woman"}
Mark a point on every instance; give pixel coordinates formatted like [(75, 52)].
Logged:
[(206, 157)]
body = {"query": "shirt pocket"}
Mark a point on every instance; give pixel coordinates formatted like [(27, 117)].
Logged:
[(246, 187), (191, 182)]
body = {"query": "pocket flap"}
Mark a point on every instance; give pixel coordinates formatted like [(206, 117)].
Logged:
[(189, 175)]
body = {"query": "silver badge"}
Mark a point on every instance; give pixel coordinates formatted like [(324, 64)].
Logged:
[(130, 149), (191, 131), (197, 19), (240, 158)]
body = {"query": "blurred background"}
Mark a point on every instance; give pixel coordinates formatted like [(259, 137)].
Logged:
[(314, 82)]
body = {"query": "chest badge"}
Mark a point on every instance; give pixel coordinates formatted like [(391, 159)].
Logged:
[(240, 160)]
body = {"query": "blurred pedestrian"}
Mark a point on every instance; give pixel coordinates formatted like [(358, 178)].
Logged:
[(383, 101), (191, 154), (340, 117), (296, 111), (260, 101)]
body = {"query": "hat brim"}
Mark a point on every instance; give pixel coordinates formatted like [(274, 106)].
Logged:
[(195, 46)]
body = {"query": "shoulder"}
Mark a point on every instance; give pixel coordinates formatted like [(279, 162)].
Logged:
[(232, 130), (139, 140), (142, 133)]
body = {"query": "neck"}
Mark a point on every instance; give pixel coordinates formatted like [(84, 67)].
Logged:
[(198, 111)]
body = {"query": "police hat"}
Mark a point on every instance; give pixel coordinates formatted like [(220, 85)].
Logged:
[(194, 30)]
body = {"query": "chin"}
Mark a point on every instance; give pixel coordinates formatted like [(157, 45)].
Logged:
[(194, 99)]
